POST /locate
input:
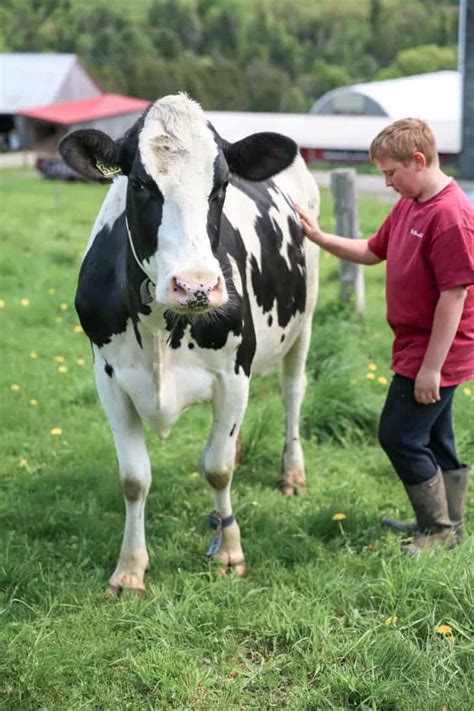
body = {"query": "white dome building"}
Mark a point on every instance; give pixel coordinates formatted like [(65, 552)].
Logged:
[(431, 97)]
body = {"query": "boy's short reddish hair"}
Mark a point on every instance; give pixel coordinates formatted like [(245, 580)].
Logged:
[(402, 139)]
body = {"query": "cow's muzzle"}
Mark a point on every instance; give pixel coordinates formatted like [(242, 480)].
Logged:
[(197, 292)]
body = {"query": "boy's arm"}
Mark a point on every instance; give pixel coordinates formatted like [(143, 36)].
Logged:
[(352, 250), (446, 320)]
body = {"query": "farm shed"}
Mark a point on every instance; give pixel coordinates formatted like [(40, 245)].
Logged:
[(33, 79), (43, 126)]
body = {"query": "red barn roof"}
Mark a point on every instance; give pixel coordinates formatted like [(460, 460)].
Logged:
[(73, 112)]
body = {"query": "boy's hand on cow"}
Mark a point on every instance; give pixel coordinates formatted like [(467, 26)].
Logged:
[(427, 384), (310, 226)]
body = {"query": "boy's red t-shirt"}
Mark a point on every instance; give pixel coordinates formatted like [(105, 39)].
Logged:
[(429, 248)]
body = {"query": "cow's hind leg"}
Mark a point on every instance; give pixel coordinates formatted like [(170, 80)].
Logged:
[(229, 402), (135, 475), (293, 389)]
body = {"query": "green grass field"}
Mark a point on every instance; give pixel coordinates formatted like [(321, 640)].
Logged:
[(331, 615)]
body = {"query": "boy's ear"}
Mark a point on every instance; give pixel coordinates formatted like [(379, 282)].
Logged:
[(420, 160), (92, 154)]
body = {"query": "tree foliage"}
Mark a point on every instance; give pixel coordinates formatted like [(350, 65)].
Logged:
[(427, 58), (265, 55)]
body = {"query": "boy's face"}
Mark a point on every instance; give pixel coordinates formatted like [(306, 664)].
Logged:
[(405, 178)]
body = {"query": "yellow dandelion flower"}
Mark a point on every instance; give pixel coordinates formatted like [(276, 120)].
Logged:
[(58, 319), (62, 369), (444, 629), (15, 387), (3, 303), (391, 620), (370, 376), (59, 359), (63, 307), (80, 361), (338, 517), (372, 366), (51, 291), (33, 402), (56, 431), (78, 329), (25, 302), (382, 380), (23, 462), (467, 392)]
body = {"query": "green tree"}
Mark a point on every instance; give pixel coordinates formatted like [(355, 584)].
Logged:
[(294, 101), (420, 60), (179, 17), (323, 78), (266, 85), (267, 55)]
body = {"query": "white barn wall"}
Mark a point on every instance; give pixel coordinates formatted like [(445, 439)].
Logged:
[(329, 133), (113, 126), (77, 85)]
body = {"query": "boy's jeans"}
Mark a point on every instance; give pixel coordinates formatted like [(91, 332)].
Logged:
[(417, 438)]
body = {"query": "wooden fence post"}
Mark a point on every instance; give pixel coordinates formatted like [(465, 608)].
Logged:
[(347, 225)]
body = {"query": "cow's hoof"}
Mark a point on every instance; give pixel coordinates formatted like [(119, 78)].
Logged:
[(239, 568), (292, 489), (117, 590), (301, 487), (126, 582), (293, 482)]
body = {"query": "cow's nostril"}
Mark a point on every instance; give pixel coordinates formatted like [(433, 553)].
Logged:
[(197, 292), (179, 287)]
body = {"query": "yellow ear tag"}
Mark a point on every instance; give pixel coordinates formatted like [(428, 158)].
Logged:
[(107, 171)]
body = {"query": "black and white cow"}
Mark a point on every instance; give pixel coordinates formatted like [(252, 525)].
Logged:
[(196, 277)]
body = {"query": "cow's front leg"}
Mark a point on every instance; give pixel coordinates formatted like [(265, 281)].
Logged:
[(229, 402), (135, 476), (293, 389)]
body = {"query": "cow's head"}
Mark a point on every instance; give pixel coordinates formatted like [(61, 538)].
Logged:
[(178, 169)]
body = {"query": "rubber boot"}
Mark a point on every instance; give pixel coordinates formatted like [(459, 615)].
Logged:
[(456, 482), (401, 526), (430, 504)]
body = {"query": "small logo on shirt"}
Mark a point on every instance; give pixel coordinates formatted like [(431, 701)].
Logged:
[(415, 233)]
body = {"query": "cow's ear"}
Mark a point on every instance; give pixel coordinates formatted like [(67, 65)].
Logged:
[(92, 154), (260, 155)]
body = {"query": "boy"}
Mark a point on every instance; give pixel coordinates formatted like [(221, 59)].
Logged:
[(428, 242)]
